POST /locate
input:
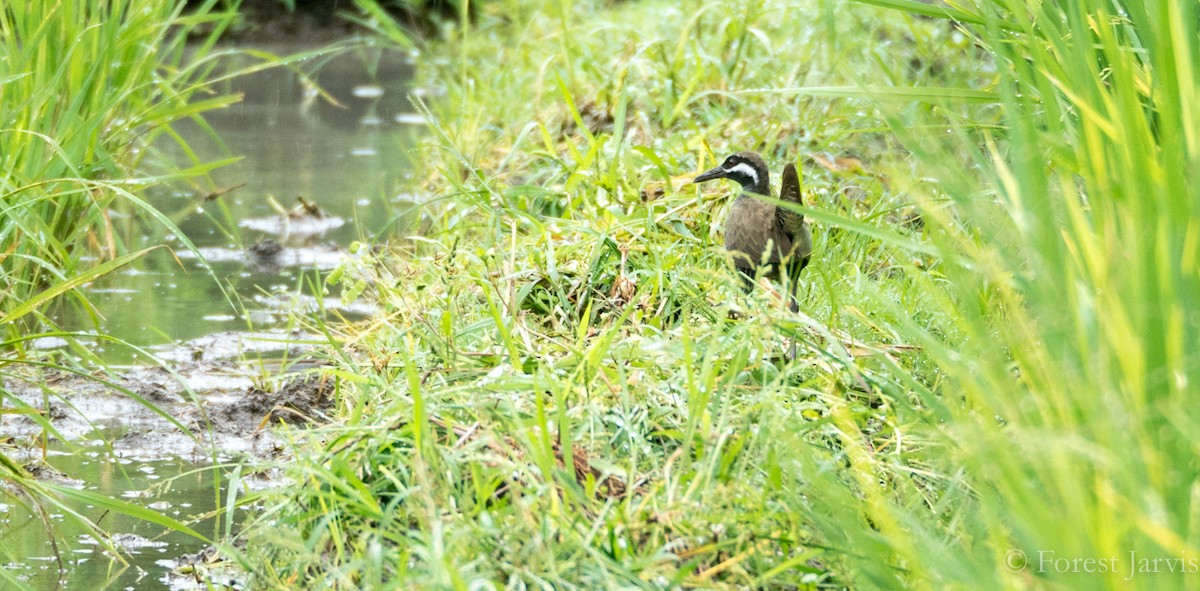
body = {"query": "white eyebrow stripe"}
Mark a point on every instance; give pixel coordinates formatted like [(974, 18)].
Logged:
[(747, 170)]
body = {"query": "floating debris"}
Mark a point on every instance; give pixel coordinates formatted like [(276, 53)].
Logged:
[(409, 119), (367, 91)]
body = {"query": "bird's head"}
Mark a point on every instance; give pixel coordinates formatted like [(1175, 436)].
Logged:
[(747, 168)]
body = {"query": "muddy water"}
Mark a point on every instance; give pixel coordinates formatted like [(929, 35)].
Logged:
[(352, 161)]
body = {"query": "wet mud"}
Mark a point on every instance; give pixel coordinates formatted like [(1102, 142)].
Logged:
[(199, 410)]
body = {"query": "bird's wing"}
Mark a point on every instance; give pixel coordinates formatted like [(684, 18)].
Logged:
[(752, 225)]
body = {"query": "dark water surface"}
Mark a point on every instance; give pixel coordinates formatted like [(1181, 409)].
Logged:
[(352, 161)]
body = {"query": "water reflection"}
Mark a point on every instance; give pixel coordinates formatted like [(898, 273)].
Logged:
[(349, 156), (180, 489)]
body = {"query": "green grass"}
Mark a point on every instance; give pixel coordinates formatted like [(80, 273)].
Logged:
[(997, 338), (86, 89)]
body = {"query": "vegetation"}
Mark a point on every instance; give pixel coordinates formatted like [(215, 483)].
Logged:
[(568, 389), (997, 356), (85, 90)]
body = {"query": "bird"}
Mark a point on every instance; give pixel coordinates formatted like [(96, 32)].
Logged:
[(759, 234)]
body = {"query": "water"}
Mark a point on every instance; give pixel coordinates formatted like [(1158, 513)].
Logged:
[(179, 489), (353, 161)]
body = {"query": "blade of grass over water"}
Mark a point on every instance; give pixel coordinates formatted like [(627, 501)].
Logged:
[(86, 89), (85, 93)]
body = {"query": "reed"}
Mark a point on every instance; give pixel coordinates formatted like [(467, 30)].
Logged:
[(1063, 447), (87, 88)]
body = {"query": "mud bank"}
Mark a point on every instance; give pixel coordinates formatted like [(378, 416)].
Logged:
[(201, 410)]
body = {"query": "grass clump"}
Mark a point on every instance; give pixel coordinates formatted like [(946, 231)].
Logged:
[(556, 392), (996, 346), (86, 90), (1077, 367)]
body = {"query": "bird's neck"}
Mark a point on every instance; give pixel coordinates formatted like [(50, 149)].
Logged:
[(762, 187)]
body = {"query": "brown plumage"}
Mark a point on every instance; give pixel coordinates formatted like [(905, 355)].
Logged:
[(760, 234)]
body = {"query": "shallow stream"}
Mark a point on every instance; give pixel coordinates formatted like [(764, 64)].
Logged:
[(352, 162)]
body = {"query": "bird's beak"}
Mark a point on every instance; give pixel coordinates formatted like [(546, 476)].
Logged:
[(710, 174)]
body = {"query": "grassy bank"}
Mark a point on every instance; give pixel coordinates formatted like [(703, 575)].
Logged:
[(996, 338)]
